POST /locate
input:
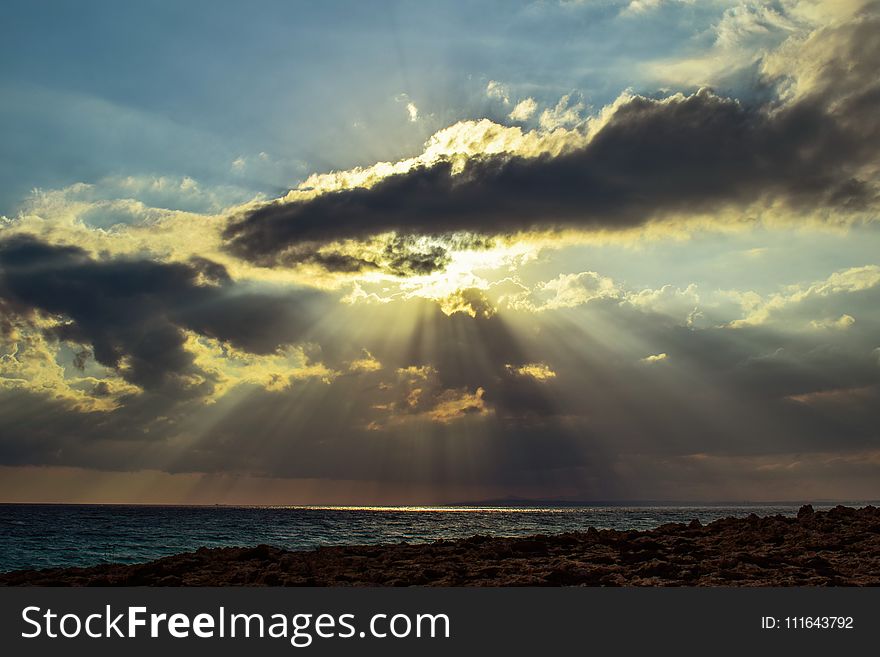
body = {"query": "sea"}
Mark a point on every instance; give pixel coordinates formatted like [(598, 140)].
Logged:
[(44, 536)]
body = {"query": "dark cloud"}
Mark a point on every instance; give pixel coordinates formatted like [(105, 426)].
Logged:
[(401, 255), (596, 426), (133, 313), (329, 260), (652, 159), (407, 258)]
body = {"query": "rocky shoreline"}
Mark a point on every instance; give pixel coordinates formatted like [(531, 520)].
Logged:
[(838, 547)]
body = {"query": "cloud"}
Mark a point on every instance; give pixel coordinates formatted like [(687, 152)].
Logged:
[(29, 361), (750, 35), (456, 144), (134, 314), (482, 389), (412, 111), (366, 363), (470, 301), (565, 114), (537, 371), (564, 291), (228, 367), (744, 23), (403, 255), (497, 91), (455, 404), (683, 304), (799, 304), (524, 110), (650, 160), (654, 358), (640, 7), (123, 199), (743, 35), (418, 395), (841, 323)]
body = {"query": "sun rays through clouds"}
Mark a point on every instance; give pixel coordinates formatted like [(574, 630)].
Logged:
[(534, 262)]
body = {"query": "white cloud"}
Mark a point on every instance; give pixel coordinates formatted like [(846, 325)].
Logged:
[(637, 7), (681, 304), (565, 291), (497, 91), (640, 7), (747, 33), (524, 110), (457, 143), (750, 23), (412, 109), (846, 281), (564, 115)]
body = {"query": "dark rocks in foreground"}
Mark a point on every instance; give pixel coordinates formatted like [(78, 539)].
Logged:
[(839, 547)]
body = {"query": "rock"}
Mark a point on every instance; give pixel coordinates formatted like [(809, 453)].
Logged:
[(806, 511), (530, 546)]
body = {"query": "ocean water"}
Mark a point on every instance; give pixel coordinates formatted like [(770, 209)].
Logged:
[(43, 536)]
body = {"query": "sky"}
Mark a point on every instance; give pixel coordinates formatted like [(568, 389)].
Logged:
[(435, 252)]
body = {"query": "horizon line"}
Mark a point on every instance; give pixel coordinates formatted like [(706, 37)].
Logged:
[(488, 504)]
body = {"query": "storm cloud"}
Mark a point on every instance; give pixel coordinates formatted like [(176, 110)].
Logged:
[(653, 159), (133, 313)]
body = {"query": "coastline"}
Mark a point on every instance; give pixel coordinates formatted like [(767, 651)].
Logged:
[(838, 547)]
